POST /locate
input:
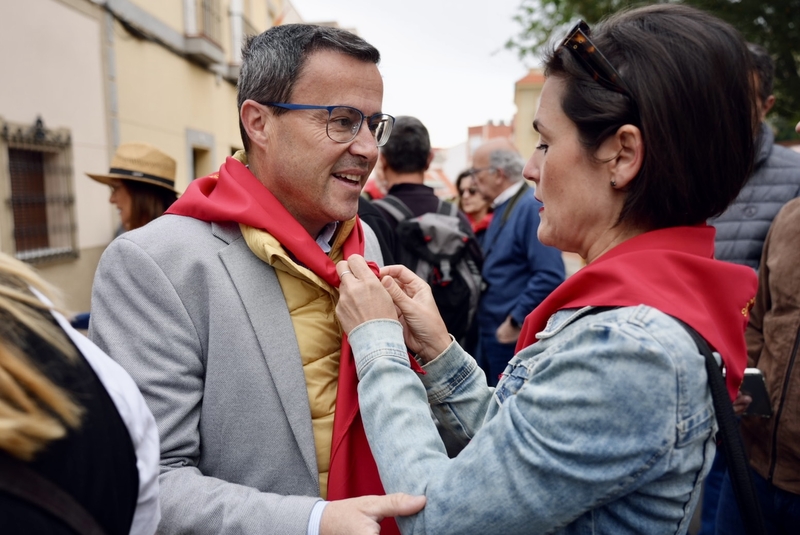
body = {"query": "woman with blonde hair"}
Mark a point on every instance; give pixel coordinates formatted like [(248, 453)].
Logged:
[(78, 445)]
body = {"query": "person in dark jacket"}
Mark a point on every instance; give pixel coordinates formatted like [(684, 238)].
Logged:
[(742, 228), (773, 340), (518, 270)]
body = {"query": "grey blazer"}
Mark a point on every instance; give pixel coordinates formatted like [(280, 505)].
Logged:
[(201, 325)]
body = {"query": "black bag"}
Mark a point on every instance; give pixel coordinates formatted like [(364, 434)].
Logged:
[(440, 250)]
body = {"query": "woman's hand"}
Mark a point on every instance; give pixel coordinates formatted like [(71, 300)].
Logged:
[(741, 403), (423, 327), (361, 295)]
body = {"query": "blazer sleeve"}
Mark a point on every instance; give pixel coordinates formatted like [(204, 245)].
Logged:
[(139, 319)]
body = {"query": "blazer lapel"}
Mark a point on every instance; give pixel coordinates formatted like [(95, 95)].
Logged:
[(261, 294)]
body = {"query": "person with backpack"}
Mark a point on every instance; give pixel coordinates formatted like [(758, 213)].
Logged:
[(519, 272), (433, 237)]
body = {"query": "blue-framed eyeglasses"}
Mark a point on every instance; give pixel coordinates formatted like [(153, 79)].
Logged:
[(344, 122)]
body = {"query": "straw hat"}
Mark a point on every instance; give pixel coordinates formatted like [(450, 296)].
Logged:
[(140, 162)]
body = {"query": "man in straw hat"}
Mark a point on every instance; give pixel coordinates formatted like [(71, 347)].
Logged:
[(228, 321), (142, 180)]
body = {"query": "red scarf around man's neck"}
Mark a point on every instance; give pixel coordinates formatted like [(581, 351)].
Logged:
[(235, 194), (674, 271)]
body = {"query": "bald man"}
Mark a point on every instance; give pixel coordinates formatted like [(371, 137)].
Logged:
[(519, 271)]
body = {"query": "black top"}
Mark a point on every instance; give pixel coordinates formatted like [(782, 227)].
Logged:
[(419, 198), (95, 464), (373, 216)]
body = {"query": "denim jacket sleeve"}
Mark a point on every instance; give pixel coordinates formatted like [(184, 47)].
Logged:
[(590, 415)]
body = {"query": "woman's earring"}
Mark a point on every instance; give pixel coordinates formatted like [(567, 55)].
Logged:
[(613, 183)]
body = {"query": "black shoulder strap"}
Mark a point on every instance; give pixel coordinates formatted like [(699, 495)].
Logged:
[(513, 202), (395, 207), (730, 437), (18, 479)]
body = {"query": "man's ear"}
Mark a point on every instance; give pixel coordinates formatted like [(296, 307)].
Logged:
[(256, 120), (626, 148), (430, 159)]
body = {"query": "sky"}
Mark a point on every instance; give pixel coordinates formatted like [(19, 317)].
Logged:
[(443, 61)]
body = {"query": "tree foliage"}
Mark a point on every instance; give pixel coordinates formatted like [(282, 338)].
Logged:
[(775, 24)]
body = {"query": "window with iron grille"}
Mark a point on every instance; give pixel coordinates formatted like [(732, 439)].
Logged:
[(38, 220), (209, 22)]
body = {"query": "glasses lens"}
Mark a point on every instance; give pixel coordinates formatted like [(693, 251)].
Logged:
[(343, 124), (381, 128)]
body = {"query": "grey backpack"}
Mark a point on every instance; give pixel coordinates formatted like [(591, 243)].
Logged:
[(441, 250)]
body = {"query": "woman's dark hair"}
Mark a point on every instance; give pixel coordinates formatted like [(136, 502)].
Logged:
[(461, 176), (148, 201), (688, 72)]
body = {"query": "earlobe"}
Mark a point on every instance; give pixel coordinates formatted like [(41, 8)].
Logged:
[(255, 120)]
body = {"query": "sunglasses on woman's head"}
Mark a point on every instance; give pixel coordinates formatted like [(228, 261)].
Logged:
[(595, 63)]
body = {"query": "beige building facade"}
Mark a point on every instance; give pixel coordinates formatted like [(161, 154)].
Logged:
[(83, 76), (527, 91)]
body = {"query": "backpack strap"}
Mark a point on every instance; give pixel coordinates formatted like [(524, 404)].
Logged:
[(18, 479), (729, 435), (395, 207), (447, 208)]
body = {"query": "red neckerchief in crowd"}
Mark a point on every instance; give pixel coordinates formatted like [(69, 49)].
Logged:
[(235, 194), (674, 271), (481, 224)]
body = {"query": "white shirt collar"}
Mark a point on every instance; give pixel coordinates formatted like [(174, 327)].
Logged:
[(325, 235), (507, 194)]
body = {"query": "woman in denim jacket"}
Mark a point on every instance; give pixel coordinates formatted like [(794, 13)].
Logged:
[(602, 422)]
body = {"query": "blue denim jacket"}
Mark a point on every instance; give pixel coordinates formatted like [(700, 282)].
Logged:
[(605, 425)]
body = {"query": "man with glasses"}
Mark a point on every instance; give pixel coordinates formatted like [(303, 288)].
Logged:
[(518, 271), (228, 322)]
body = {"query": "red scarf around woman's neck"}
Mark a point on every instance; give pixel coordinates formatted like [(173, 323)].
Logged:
[(235, 194), (674, 271), (481, 224)]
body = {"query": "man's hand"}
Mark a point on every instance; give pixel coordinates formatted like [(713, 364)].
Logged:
[(507, 333), (358, 516)]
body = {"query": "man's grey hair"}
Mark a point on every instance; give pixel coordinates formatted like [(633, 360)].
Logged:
[(273, 61), (509, 161)]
